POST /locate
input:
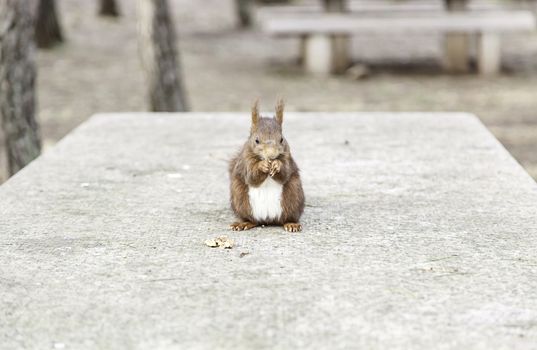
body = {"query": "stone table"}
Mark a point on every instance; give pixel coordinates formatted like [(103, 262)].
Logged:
[(420, 232)]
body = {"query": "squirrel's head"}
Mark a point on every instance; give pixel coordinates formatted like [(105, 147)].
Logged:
[(266, 139)]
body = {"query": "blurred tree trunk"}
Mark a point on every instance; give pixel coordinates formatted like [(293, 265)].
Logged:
[(47, 25), (335, 5), (17, 83), (159, 57), (108, 8), (456, 5), (3, 157), (244, 9), (244, 12)]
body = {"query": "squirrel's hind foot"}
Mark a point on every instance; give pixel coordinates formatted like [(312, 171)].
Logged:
[(292, 227), (242, 226)]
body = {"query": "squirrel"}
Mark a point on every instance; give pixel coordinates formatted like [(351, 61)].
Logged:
[(265, 184)]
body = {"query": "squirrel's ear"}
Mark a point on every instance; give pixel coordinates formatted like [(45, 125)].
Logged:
[(255, 114), (279, 111)]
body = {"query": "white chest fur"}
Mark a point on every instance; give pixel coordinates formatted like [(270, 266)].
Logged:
[(265, 200)]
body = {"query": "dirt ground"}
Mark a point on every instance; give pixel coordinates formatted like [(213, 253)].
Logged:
[(98, 70)]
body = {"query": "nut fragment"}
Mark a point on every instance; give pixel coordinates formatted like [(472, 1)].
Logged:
[(220, 241), (211, 243)]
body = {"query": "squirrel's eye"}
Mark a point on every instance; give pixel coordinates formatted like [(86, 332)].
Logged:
[(257, 141), (281, 140)]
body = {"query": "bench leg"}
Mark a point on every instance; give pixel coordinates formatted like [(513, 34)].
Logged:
[(488, 54), (325, 54), (457, 52), (318, 57), (340, 53), (302, 49)]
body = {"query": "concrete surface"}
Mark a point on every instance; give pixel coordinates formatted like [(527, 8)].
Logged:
[(419, 233), (436, 22)]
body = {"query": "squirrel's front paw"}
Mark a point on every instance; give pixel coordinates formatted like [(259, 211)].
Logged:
[(264, 166), (275, 167)]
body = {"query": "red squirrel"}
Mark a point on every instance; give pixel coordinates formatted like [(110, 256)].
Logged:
[(265, 182)]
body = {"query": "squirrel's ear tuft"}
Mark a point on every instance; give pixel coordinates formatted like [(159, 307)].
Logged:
[(255, 114), (279, 111)]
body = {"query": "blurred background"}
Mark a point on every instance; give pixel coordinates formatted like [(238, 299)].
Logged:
[(228, 55)]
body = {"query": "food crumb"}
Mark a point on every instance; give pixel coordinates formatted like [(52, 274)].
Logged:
[(220, 241)]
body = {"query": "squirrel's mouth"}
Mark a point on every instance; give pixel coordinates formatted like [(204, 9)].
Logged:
[(271, 158), (270, 155)]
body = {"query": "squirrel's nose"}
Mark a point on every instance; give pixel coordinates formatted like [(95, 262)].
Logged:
[(270, 152)]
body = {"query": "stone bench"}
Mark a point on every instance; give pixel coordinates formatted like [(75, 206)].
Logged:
[(419, 232), (323, 55), (375, 7)]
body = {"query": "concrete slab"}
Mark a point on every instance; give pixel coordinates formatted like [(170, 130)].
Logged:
[(434, 22), (419, 233)]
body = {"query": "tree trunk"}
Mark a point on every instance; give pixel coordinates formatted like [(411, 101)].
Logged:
[(3, 156), (159, 57), (108, 8), (456, 5), (244, 12), (47, 25), (17, 84), (335, 5)]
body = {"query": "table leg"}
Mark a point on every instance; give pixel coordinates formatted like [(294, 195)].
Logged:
[(340, 53), (318, 58), (457, 52), (488, 54)]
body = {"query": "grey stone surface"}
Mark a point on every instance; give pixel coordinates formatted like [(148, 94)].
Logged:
[(435, 22), (420, 232)]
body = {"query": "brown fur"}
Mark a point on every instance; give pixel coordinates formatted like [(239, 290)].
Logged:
[(270, 156)]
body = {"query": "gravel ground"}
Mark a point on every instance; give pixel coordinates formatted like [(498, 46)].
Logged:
[(98, 70)]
